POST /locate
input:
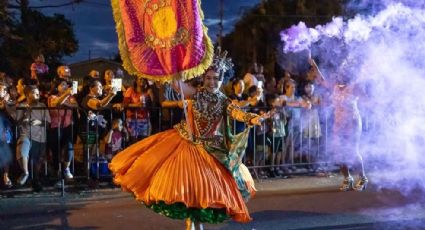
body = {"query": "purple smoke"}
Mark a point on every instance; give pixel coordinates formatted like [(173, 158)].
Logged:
[(385, 54), (299, 37)]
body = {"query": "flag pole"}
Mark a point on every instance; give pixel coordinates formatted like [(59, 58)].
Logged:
[(188, 125)]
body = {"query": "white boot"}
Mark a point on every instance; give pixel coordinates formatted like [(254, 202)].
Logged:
[(200, 226)]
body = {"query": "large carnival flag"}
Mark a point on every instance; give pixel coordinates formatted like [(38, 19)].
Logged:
[(162, 40)]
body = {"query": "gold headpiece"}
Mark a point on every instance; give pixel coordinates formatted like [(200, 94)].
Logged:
[(221, 63)]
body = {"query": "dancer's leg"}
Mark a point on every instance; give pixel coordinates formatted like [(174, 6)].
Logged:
[(189, 224)]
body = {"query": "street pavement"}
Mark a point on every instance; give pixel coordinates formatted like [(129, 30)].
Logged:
[(301, 202)]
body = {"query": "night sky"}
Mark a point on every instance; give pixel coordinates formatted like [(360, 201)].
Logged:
[(94, 26)]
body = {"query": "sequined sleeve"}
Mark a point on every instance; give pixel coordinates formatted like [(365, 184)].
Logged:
[(236, 113)]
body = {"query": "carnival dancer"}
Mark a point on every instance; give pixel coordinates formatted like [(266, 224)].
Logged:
[(347, 127), (194, 171)]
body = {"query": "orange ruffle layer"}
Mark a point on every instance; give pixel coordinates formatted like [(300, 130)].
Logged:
[(166, 167)]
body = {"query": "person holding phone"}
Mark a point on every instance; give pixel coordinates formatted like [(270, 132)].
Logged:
[(74, 88), (109, 82), (61, 101), (92, 125)]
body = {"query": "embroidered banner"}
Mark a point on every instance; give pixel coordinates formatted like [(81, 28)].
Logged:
[(162, 39)]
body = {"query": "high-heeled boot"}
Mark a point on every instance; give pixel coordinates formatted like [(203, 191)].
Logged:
[(347, 184), (199, 226), (361, 184)]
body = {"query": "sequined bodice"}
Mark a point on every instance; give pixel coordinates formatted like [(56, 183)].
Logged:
[(208, 111), (345, 105), (344, 99)]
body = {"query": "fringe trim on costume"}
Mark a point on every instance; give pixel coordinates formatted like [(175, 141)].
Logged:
[(122, 45)]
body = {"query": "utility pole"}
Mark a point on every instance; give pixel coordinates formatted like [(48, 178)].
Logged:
[(24, 7), (220, 29)]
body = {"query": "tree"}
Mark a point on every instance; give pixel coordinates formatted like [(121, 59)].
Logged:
[(256, 36), (117, 58), (6, 33), (5, 22), (36, 33)]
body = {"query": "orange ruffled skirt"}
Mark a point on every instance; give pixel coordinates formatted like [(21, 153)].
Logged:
[(168, 168)]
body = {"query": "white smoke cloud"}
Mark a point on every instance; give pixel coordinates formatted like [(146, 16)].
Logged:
[(385, 52)]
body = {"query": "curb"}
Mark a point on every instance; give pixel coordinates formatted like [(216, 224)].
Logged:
[(265, 187)]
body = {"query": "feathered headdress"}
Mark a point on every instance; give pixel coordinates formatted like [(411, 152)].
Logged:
[(221, 63)]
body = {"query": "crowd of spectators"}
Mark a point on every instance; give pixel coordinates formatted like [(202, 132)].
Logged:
[(44, 119)]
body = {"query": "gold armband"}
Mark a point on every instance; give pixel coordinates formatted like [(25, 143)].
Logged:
[(248, 117)]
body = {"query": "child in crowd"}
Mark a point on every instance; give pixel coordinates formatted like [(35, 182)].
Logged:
[(276, 135), (39, 69), (115, 139), (40, 76)]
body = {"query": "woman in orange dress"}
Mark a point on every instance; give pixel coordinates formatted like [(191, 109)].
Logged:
[(193, 171)]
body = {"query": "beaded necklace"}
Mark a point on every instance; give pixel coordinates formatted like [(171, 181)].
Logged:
[(208, 109)]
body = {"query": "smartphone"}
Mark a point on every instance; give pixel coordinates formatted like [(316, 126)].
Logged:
[(117, 83), (74, 87), (260, 84)]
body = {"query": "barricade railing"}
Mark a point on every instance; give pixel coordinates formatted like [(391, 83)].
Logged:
[(299, 144), (84, 140)]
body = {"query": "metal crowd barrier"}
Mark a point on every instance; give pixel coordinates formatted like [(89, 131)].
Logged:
[(298, 149), (301, 149), (87, 153)]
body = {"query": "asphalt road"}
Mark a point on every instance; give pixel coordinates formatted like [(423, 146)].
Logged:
[(315, 210)]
